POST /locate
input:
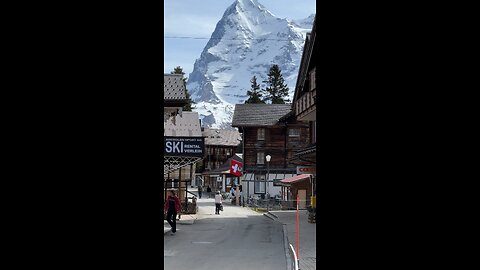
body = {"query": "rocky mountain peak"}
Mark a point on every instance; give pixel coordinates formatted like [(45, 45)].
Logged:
[(246, 41)]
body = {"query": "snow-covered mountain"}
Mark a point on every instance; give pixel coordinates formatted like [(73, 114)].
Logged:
[(305, 23), (247, 41)]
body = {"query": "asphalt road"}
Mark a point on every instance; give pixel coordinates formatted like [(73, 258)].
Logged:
[(238, 238)]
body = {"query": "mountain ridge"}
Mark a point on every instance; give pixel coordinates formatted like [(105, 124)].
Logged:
[(246, 41)]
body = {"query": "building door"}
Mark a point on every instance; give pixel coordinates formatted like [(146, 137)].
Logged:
[(302, 198)]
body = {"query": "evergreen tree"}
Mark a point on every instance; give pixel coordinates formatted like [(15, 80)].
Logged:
[(276, 90), (188, 107), (255, 96)]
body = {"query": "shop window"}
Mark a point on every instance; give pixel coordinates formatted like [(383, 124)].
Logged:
[(260, 184)]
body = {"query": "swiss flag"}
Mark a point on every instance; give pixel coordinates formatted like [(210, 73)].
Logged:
[(236, 167)]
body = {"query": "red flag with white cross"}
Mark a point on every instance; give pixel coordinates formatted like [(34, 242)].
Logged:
[(236, 167)]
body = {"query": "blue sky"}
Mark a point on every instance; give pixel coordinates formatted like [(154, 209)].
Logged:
[(197, 18)]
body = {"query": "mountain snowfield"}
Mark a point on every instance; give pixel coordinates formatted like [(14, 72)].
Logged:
[(247, 41)]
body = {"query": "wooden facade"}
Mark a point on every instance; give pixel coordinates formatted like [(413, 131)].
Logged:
[(277, 143), (216, 155), (268, 129), (220, 146), (304, 107)]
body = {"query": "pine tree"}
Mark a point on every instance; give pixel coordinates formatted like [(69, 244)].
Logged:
[(188, 107), (255, 96), (276, 90)]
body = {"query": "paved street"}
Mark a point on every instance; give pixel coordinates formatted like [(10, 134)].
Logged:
[(238, 238), (307, 236)]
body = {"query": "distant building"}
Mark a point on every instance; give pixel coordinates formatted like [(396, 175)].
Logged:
[(178, 170), (220, 146), (174, 96), (268, 129)]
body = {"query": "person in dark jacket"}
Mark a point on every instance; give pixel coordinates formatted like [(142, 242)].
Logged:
[(209, 191), (200, 191), (172, 207)]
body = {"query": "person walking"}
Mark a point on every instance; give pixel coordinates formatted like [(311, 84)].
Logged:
[(232, 195), (209, 190), (218, 203), (200, 191), (172, 207)]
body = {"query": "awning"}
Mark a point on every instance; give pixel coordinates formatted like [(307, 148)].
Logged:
[(295, 179)]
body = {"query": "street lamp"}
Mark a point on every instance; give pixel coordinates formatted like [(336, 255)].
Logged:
[(268, 157)]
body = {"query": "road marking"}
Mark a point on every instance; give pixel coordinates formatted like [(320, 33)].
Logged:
[(169, 253)]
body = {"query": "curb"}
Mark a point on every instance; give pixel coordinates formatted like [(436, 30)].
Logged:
[(287, 252), (269, 216), (272, 217), (188, 221), (272, 214)]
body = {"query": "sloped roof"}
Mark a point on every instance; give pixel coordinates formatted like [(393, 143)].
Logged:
[(187, 125), (221, 137), (295, 179), (259, 114), (173, 87)]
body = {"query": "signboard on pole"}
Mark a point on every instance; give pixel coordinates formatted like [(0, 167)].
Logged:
[(184, 146)]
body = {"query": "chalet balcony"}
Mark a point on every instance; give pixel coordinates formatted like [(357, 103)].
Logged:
[(305, 107)]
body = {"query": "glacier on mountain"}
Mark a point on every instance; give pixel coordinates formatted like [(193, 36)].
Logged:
[(246, 41)]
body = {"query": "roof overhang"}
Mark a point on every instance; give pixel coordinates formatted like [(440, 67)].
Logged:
[(295, 179)]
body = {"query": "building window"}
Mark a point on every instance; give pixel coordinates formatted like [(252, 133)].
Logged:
[(260, 158), (314, 131), (294, 132), (261, 134), (260, 183), (312, 80)]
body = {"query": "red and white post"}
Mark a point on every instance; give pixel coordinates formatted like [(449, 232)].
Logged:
[(296, 242)]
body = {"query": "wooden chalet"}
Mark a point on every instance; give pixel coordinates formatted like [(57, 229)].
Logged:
[(178, 170), (268, 129), (220, 146), (304, 109)]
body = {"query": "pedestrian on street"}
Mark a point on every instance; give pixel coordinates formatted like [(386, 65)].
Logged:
[(172, 207), (209, 190), (200, 191), (218, 203)]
